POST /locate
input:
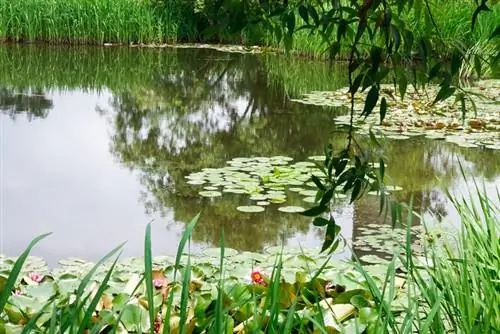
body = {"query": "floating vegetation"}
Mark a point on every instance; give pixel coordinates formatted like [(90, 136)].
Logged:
[(266, 180), (250, 208), (417, 115), (210, 193), (291, 209)]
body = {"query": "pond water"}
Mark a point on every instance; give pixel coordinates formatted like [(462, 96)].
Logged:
[(96, 143)]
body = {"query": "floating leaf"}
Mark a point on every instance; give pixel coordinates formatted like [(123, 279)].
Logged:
[(310, 199), (258, 197), (209, 193), (308, 193), (250, 208), (291, 209), (215, 252)]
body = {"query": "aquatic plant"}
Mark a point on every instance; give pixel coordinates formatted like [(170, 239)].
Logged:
[(85, 22), (417, 115)]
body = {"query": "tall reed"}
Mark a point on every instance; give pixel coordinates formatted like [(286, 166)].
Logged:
[(85, 21)]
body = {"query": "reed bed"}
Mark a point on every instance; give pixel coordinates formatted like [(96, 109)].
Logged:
[(84, 21), (145, 21)]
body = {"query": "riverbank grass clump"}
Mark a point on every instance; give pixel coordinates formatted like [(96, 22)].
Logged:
[(85, 22)]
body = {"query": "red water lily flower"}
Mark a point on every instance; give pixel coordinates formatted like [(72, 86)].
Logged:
[(259, 277)]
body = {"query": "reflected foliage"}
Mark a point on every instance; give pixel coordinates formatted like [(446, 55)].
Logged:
[(174, 112), (33, 103)]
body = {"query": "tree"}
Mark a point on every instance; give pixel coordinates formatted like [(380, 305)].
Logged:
[(380, 44)]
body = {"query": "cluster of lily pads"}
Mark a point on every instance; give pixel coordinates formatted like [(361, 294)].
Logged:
[(336, 288), (265, 180), (417, 115)]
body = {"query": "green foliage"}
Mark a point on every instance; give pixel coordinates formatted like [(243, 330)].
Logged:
[(85, 22)]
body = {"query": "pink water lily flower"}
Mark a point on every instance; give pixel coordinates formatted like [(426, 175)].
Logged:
[(35, 277), (158, 283), (329, 287), (17, 292)]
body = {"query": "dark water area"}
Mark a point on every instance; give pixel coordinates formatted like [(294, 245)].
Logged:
[(96, 142)]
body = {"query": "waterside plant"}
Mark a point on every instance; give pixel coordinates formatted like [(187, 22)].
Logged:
[(453, 287)]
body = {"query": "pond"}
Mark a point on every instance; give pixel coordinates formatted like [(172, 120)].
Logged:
[(96, 142)]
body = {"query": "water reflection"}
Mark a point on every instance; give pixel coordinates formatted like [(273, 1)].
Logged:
[(165, 114)]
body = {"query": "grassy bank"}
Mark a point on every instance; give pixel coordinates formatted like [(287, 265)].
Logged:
[(156, 21), (85, 21)]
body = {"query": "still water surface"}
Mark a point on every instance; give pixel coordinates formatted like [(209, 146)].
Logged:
[(95, 143)]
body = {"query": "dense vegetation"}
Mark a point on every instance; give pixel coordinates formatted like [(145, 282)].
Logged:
[(452, 289), (229, 21)]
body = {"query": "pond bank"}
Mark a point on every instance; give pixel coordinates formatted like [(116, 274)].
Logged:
[(155, 22)]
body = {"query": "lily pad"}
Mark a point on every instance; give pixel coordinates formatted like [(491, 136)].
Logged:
[(215, 252), (250, 208), (310, 199), (308, 193), (210, 193), (291, 209)]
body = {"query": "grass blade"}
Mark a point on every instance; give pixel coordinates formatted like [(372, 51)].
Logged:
[(148, 274), (90, 310), (11, 280)]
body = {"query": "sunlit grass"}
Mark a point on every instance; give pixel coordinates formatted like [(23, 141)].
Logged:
[(85, 21)]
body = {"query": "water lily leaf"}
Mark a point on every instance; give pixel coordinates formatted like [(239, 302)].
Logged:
[(308, 193), (317, 158), (234, 190), (262, 203), (196, 181), (210, 193), (310, 199), (215, 252), (397, 137), (291, 209), (250, 208), (393, 188), (372, 259)]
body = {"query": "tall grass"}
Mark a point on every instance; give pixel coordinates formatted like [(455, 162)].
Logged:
[(456, 287), (85, 21)]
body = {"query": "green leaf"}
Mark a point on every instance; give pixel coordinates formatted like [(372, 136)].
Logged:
[(332, 231), (320, 221), (396, 36), (303, 13), (314, 211), (383, 109), (479, 9), (313, 14), (290, 22), (148, 274), (317, 182), (445, 92), (356, 190), (371, 101), (456, 62), (327, 196), (495, 33), (477, 65), (434, 71)]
